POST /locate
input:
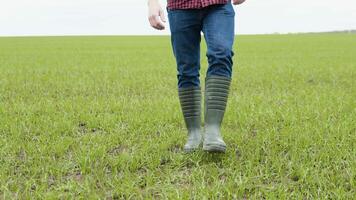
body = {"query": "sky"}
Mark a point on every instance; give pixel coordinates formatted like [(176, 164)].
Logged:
[(129, 17)]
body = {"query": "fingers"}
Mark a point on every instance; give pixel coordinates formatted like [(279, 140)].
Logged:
[(156, 15), (162, 16), (156, 23)]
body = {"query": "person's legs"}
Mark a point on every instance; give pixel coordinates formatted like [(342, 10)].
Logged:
[(185, 28), (185, 37), (219, 33), (218, 28)]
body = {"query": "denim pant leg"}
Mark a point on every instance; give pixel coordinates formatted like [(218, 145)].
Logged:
[(219, 33), (185, 28)]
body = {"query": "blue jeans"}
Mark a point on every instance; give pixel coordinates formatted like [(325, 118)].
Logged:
[(217, 24)]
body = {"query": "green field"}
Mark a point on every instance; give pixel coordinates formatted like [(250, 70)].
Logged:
[(99, 117)]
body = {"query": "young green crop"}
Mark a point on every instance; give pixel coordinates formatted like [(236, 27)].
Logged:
[(99, 117)]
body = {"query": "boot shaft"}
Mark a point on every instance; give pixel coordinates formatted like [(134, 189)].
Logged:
[(216, 97), (190, 101)]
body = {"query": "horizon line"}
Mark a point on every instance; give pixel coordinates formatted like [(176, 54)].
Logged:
[(159, 35)]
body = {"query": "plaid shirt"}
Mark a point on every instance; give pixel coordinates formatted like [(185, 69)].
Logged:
[(192, 4)]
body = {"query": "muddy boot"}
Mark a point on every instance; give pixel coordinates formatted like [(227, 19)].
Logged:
[(190, 101), (216, 96)]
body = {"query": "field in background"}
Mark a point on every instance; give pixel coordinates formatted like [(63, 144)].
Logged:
[(100, 117)]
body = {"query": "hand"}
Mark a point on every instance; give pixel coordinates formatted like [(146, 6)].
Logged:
[(237, 2), (156, 15)]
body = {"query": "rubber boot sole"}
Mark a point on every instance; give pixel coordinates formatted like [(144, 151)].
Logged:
[(214, 148)]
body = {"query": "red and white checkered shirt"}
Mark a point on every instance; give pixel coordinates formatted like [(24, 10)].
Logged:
[(192, 4)]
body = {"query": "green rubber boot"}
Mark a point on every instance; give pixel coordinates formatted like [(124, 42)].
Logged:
[(216, 96), (190, 101)]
